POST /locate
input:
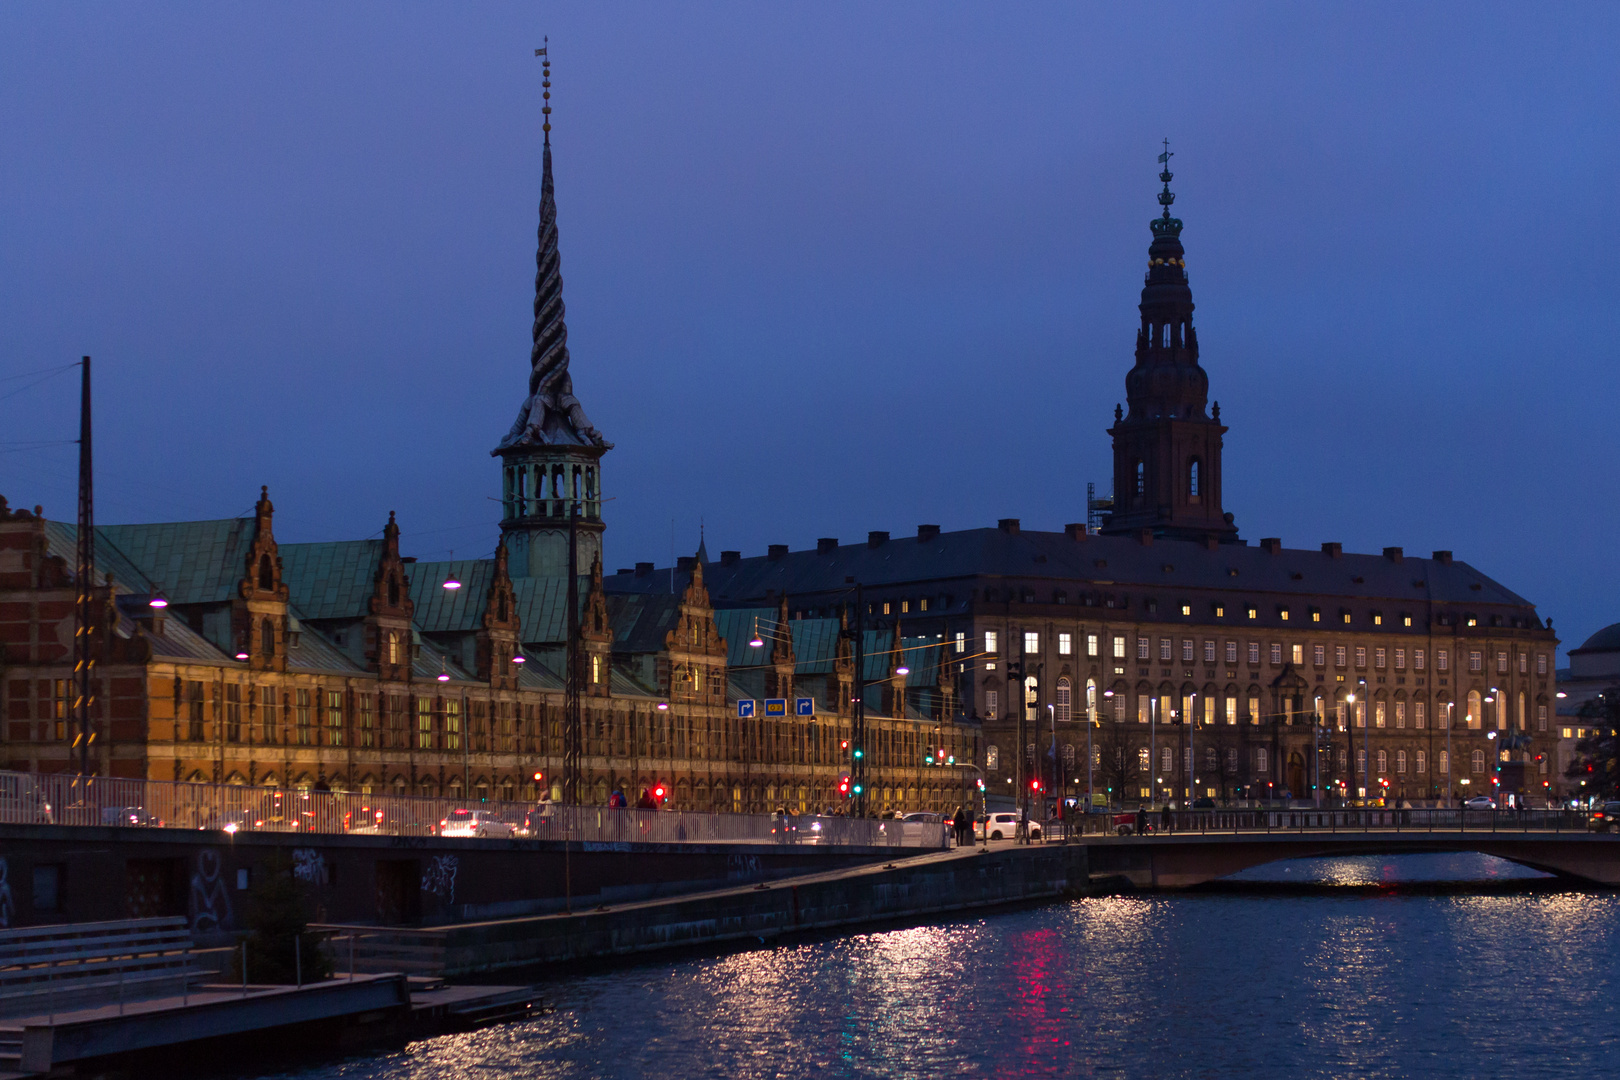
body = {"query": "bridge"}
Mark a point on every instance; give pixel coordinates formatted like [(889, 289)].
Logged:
[(1202, 846)]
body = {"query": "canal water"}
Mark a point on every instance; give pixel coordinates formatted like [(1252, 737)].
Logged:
[(1359, 967)]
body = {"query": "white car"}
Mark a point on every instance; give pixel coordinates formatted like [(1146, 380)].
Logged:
[(1004, 826), (1480, 802), (475, 823)]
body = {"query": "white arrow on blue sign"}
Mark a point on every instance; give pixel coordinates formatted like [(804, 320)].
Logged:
[(745, 708), (804, 706)]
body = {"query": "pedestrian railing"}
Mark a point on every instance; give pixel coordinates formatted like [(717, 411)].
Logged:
[(64, 799), (1346, 820)]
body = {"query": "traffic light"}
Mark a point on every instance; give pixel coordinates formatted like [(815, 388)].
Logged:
[(980, 782), (859, 753), (858, 789), (844, 745), (843, 786), (539, 777), (659, 792), (1034, 785)]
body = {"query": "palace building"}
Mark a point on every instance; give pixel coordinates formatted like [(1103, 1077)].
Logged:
[(1189, 663), (1160, 656)]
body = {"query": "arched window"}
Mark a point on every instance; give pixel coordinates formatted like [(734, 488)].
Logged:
[(1192, 479), (1383, 761), (267, 573), (1141, 478), (1475, 710), (1476, 761), (267, 638), (992, 757), (1063, 701), (1445, 762), (1144, 762), (1400, 762), (1422, 761), (1068, 756), (393, 646)]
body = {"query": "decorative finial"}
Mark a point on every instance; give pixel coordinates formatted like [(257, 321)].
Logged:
[(1165, 175), (545, 83)]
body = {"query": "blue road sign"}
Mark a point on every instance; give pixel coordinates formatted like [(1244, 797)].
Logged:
[(804, 706), (776, 706), (745, 708)]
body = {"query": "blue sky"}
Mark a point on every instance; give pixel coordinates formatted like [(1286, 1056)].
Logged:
[(828, 268)]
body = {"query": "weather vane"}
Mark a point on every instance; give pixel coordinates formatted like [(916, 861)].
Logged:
[(1165, 196)]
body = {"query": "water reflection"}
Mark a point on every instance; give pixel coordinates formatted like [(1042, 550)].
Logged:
[(1315, 985)]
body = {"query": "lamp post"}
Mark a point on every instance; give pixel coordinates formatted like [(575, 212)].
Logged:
[(1495, 698), (1057, 787), (1153, 742), (1366, 742)]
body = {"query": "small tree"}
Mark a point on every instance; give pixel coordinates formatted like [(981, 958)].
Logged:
[(276, 920), (1117, 764), (1597, 756)]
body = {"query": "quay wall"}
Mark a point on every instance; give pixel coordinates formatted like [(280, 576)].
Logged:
[(904, 890), (57, 874)]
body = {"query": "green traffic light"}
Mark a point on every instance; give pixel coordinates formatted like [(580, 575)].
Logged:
[(859, 754)]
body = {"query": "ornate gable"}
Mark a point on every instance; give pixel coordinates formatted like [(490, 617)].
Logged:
[(500, 628), (389, 611), (696, 662), (259, 615)]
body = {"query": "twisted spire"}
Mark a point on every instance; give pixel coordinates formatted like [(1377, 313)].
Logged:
[(552, 415)]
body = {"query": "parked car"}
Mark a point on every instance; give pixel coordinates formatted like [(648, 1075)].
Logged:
[(926, 816), (540, 821), (1604, 818), (365, 821), (1480, 802), (1204, 803), (480, 823), (1002, 825)]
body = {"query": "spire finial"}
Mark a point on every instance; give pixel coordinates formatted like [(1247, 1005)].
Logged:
[(1165, 175), (545, 84)]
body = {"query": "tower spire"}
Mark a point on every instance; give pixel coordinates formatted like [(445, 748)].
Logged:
[(1167, 447)]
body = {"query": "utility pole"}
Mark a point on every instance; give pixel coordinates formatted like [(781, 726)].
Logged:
[(84, 609), (857, 726)]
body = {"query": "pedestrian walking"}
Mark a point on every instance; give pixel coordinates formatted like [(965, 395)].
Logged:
[(1141, 820), (1167, 820)]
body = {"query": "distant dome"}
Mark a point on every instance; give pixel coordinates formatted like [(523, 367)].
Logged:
[(1605, 640)]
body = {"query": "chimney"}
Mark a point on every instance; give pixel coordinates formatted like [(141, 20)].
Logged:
[(1271, 545), (1144, 537), (1333, 551), (1008, 525), (729, 558), (1393, 554), (876, 539), (826, 545), (643, 569), (926, 533), (1212, 542), (1075, 530), (623, 570), (776, 551), (1443, 557), (686, 562)]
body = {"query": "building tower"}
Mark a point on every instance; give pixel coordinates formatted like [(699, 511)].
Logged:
[(551, 459), (1167, 448)]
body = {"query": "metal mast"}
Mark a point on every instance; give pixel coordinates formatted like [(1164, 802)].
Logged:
[(84, 610), (571, 712), (857, 732)]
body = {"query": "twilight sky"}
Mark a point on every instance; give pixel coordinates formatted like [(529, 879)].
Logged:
[(828, 268)]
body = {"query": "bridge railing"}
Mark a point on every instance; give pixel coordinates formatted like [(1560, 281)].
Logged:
[(65, 799), (1326, 820)]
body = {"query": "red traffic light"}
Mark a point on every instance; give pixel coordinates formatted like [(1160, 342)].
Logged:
[(659, 792), (539, 777), (844, 745), (1034, 785)]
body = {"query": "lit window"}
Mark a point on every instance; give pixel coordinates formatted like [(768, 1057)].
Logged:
[(1400, 716), (1299, 654), (922, 604), (1091, 644), (1253, 613), (1284, 613), (991, 699), (961, 641), (1345, 616), (1379, 714), (1472, 621), (1406, 620), (1032, 642), (1119, 647), (1231, 710), (1186, 609), (1065, 644), (885, 607), (1254, 652), (1319, 655), (1316, 614), (990, 642), (1378, 618), (1220, 611)]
